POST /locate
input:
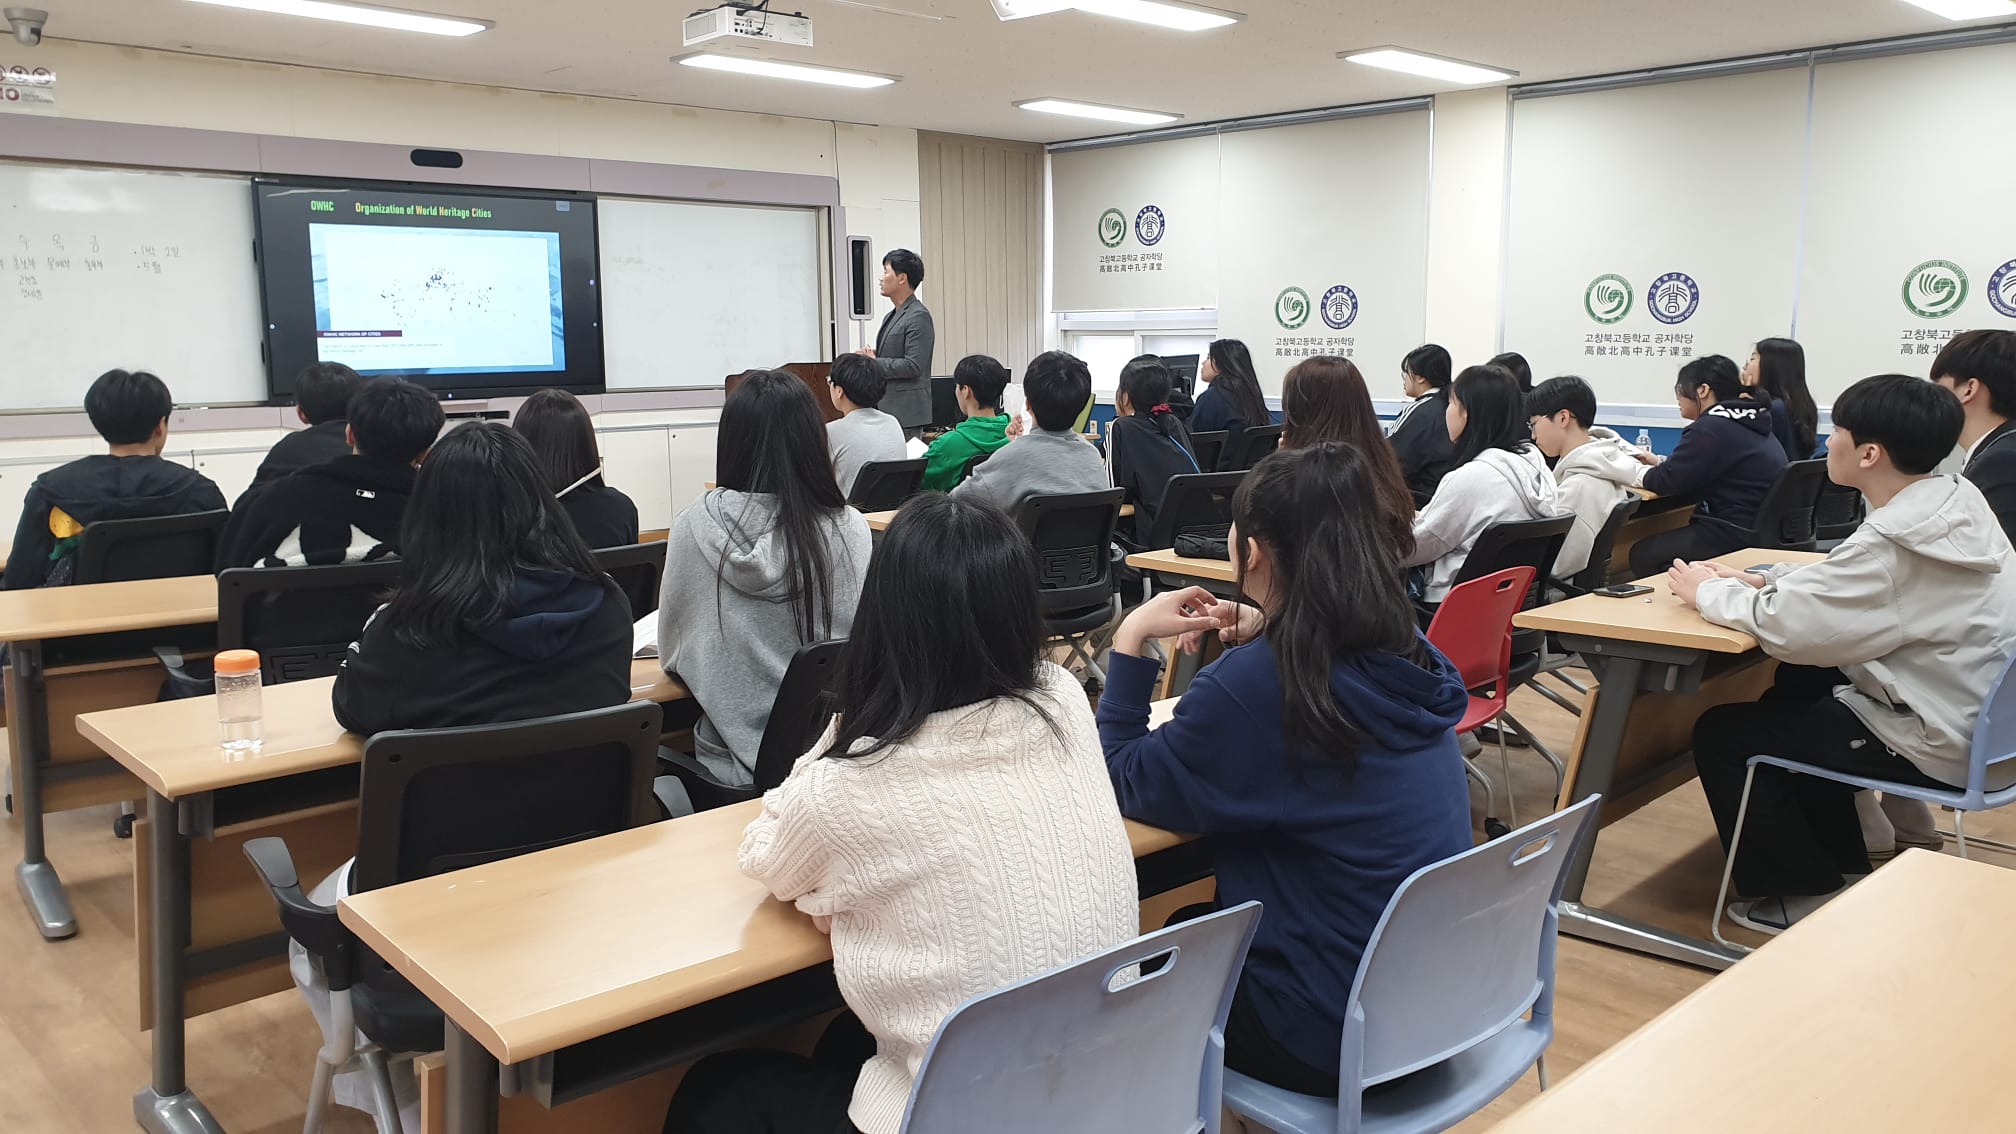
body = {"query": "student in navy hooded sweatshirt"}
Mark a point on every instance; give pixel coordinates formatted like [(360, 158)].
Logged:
[(1727, 460), (1317, 759)]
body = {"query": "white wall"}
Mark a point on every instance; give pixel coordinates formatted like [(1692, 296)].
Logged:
[(1466, 215)]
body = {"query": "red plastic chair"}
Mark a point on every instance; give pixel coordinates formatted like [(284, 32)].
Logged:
[(1473, 629)]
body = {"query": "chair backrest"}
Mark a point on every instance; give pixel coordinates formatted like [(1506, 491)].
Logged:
[(1464, 949), (972, 462), (1995, 729), (1208, 447), (149, 547), (1838, 511), (1473, 627), (883, 486), (1518, 543), (1252, 445), (1090, 1046), (1073, 537), (1194, 504), (636, 568), (300, 619), (803, 705), (1596, 573), (435, 800), (1785, 518)]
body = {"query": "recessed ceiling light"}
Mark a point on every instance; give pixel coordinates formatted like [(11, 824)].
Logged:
[(1161, 13), (1094, 110), (1966, 9), (1426, 66), (395, 19), (770, 69)]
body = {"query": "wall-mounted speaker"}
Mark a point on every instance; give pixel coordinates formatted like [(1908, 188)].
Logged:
[(861, 281)]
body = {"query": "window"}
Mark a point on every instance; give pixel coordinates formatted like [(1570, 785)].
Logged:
[(1107, 339)]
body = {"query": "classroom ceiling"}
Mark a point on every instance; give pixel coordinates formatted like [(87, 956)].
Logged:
[(963, 69)]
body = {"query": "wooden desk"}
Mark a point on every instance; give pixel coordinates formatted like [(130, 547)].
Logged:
[(52, 768), (1658, 666), (1784, 1041), (1167, 562), (203, 805), (879, 521), (533, 956)]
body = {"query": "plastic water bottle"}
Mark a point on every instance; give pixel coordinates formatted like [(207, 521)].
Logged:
[(240, 716), (1645, 440)]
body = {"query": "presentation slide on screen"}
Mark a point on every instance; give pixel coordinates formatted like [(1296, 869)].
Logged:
[(437, 301)]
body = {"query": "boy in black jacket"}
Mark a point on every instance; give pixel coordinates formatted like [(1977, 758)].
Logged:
[(130, 410), (347, 510), (321, 399), (1980, 368)]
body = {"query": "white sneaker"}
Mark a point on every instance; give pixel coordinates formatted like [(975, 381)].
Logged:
[(1879, 836), (1911, 819)]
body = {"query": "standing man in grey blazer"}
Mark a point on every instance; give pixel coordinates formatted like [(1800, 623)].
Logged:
[(903, 347)]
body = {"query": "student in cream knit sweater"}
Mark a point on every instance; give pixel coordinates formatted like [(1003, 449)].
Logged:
[(954, 830)]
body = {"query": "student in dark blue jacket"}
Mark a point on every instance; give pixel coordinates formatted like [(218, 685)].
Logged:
[(1232, 400), (1317, 759), (1727, 460)]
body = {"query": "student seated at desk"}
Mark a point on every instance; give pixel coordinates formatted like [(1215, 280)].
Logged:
[(563, 438), (962, 770), (349, 510), (977, 382), (1147, 443), (767, 562), (1051, 459), (1420, 434), (1233, 400), (1325, 399), (1594, 468), (1516, 365), (1317, 759), (1887, 650), (1776, 370), (1726, 462), (322, 396), (1979, 367), (129, 409), (1496, 478), (864, 433), (501, 614)]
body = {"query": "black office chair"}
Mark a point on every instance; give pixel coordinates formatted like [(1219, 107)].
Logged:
[(1785, 520), (1198, 505), (301, 620), (798, 715), (637, 569), (1836, 515), (1252, 446), (1208, 447), (883, 486), (151, 547), (1073, 537), (973, 462), (1594, 574), (436, 800)]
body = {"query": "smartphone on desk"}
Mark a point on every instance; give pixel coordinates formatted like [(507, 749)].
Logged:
[(1622, 590)]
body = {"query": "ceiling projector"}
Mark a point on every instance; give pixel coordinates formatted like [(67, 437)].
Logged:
[(736, 21)]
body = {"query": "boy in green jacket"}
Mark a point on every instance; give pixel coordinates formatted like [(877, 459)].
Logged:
[(978, 382)]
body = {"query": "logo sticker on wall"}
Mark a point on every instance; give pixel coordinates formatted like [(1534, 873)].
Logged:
[(1149, 226), (1291, 308), (2002, 289), (1608, 298), (1112, 228), (1935, 289), (1673, 298), (1340, 307)]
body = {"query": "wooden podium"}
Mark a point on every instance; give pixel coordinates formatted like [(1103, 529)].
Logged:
[(813, 374)]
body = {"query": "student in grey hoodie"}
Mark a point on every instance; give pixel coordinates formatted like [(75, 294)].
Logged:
[(1595, 468), (1495, 478), (769, 561), (1052, 459), (1889, 647)]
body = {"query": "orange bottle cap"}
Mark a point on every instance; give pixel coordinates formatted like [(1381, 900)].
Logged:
[(236, 662)]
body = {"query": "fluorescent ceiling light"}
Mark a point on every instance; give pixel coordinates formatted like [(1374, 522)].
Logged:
[(770, 69), (1023, 9), (1967, 9), (1161, 13), (1094, 110), (394, 18), (1426, 66)]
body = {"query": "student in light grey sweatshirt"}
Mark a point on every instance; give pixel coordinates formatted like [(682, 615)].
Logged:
[(771, 560), (866, 433), (1052, 459)]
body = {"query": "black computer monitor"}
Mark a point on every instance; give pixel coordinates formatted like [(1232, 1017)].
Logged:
[(1182, 372)]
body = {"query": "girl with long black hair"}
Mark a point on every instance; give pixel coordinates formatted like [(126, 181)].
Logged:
[(961, 776), (1777, 368), (1233, 399), (563, 437), (1318, 758), (769, 560)]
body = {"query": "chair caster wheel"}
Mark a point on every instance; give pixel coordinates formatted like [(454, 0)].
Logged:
[(122, 827), (1496, 829)]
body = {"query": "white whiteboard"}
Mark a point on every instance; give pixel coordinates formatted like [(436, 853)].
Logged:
[(108, 268), (692, 293)]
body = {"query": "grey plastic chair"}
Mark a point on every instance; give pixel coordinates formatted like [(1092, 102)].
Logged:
[(1456, 992), (1093, 1046), (1994, 746)]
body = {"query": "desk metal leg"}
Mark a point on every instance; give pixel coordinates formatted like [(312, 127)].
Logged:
[(1620, 683), (472, 1083), (168, 1106), (28, 745)]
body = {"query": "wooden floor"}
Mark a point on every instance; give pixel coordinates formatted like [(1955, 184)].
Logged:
[(71, 1056)]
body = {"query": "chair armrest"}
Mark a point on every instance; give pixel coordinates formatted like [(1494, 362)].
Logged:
[(185, 679), (315, 926)]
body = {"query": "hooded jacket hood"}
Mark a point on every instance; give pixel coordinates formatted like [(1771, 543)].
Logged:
[(1929, 519), (1605, 456), (1531, 479), (1753, 416), (546, 611), (119, 488), (739, 531), (1404, 705)]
